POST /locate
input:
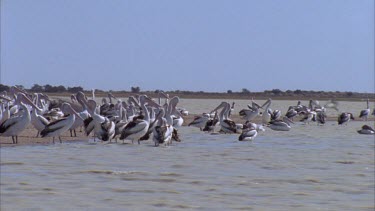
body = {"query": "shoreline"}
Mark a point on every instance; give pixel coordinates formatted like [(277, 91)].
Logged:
[(28, 136)]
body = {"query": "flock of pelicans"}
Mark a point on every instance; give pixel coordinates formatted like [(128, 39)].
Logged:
[(141, 118)]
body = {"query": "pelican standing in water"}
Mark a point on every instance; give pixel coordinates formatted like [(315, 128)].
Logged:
[(104, 129), (38, 121), (227, 125), (162, 133), (14, 125), (366, 112), (56, 128), (137, 128), (345, 118)]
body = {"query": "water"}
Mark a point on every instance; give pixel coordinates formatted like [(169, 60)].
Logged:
[(311, 167)]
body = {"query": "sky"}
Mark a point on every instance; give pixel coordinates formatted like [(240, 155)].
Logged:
[(209, 45)]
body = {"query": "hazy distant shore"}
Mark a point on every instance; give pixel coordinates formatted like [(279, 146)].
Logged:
[(340, 96)]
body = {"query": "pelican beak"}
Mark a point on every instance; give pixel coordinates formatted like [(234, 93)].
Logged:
[(26, 100)]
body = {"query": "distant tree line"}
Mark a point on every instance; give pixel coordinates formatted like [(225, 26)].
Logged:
[(244, 92)]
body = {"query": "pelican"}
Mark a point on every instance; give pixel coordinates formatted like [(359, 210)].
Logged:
[(78, 122), (291, 113), (38, 121), (5, 113), (251, 113), (176, 115), (14, 125), (137, 128), (56, 128), (120, 124), (345, 118), (321, 117), (367, 130), (280, 125), (200, 121), (266, 116), (211, 123), (365, 113), (162, 133), (104, 129), (250, 132), (227, 125)]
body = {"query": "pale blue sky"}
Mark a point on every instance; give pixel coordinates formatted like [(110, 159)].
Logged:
[(208, 45)]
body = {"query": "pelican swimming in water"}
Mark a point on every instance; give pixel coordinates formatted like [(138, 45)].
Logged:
[(280, 125), (367, 130), (250, 132), (56, 128), (14, 125), (366, 112)]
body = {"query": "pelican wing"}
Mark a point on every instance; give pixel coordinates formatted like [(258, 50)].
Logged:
[(133, 127), (7, 124), (53, 126)]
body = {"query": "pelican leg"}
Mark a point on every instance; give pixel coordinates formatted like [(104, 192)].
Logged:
[(60, 139), (75, 134), (139, 142), (13, 139), (71, 134), (53, 139), (16, 139)]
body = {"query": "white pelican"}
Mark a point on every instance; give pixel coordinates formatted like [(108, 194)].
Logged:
[(16, 124), (367, 130), (38, 121), (104, 129), (200, 121), (56, 128), (5, 113), (266, 116), (162, 133), (227, 125), (84, 114), (345, 118), (137, 128), (176, 115), (211, 123), (120, 124), (250, 132), (280, 125), (251, 113), (365, 113)]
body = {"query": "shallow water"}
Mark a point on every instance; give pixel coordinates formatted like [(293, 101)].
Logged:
[(311, 167)]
